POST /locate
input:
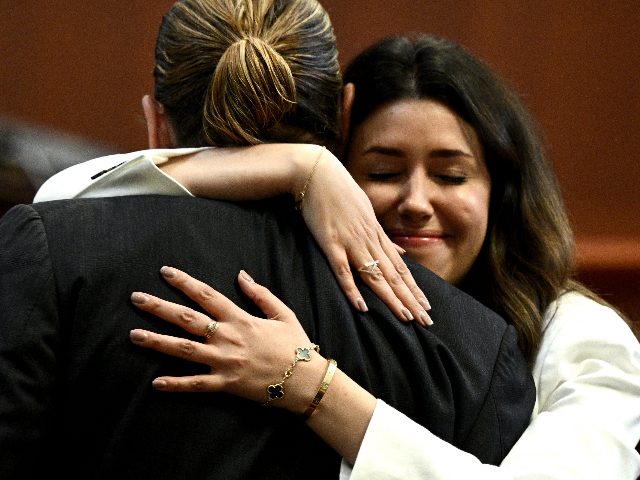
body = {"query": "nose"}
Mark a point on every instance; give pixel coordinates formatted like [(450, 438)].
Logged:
[(416, 198)]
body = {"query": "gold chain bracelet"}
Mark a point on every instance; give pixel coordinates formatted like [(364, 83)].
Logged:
[(276, 391), (300, 196)]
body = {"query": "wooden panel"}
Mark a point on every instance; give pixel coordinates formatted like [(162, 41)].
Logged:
[(79, 67)]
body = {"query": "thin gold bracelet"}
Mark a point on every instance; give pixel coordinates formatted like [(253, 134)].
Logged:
[(326, 381), (300, 197)]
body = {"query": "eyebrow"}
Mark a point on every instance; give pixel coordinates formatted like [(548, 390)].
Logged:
[(389, 151), (450, 153), (438, 153)]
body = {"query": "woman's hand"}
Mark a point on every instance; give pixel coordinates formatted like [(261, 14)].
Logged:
[(246, 354), (342, 220)]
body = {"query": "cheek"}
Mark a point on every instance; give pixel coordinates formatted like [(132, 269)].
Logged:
[(470, 212)]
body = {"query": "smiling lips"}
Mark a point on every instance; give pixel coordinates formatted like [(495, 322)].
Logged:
[(416, 239)]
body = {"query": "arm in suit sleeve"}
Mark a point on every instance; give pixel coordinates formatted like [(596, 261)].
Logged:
[(28, 341)]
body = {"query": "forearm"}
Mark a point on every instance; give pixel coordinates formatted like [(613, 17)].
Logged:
[(342, 416), (336, 211), (245, 173)]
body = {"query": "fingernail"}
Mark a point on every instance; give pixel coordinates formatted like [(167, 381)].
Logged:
[(139, 298), (425, 303), (407, 314), (137, 336), (362, 306), (159, 384), (426, 319), (246, 276), (399, 249), (168, 272)]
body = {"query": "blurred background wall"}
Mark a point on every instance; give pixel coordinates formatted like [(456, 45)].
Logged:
[(76, 71)]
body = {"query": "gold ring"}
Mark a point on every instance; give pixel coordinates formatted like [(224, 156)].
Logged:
[(211, 328), (369, 267)]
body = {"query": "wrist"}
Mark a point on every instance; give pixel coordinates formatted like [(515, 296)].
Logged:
[(304, 387), (332, 366), (299, 382), (305, 159)]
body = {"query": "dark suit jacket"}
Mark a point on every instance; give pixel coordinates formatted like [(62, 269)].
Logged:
[(75, 393)]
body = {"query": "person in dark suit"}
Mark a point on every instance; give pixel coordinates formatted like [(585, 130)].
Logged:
[(75, 393)]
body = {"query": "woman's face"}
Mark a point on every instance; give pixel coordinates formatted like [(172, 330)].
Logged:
[(423, 169)]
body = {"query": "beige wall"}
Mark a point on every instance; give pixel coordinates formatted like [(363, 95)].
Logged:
[(82, 67)]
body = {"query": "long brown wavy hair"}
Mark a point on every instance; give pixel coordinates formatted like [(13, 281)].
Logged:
[(527, 259)]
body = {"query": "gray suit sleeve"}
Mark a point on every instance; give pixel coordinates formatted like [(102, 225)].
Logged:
[(28, 341)]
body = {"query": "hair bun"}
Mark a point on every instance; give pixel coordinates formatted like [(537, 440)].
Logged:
[(251, 90)]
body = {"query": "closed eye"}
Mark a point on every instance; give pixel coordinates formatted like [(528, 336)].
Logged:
[(382, 176), (452, 179)]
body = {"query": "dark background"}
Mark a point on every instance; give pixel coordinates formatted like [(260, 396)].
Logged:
[(80, 68)]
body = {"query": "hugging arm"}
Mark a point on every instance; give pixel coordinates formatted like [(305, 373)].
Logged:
[(337, 212), (246, 354)]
